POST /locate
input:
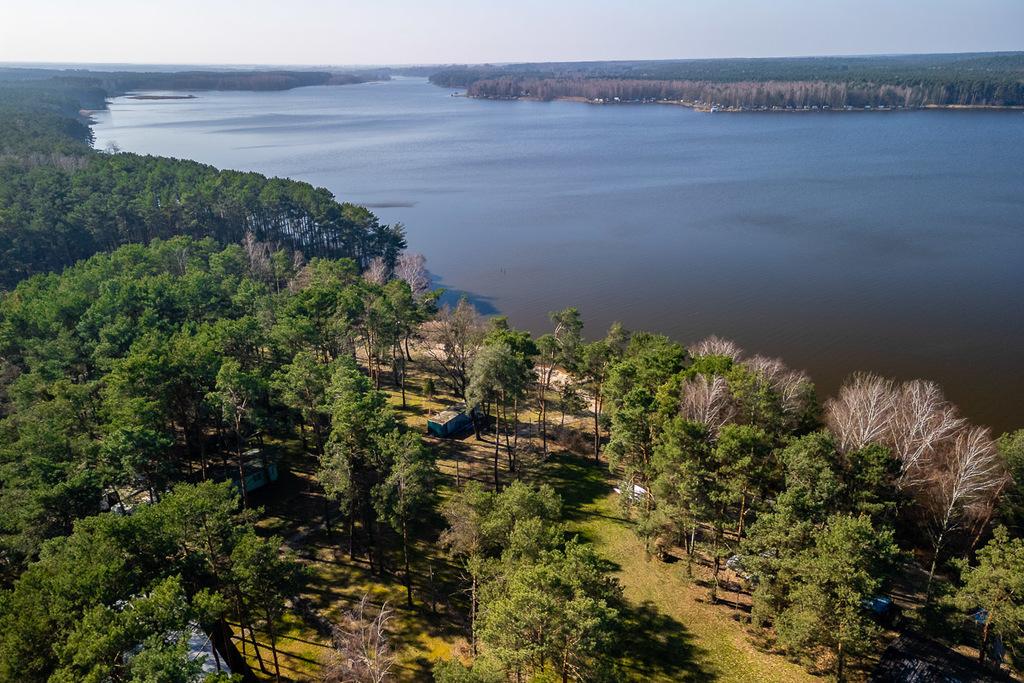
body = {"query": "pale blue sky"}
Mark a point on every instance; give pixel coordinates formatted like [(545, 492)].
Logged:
[(441, 31)]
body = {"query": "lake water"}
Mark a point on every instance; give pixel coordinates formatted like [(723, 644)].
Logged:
[(891, 242)]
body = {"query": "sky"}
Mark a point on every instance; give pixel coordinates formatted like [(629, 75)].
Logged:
[(347, 32)]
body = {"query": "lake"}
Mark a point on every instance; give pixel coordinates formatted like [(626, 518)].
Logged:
[(890, 242)]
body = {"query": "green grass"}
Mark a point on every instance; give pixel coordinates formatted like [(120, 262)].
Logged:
[(673, 632)]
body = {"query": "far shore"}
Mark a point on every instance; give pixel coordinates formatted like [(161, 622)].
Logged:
[(160, 97), (712, 108)]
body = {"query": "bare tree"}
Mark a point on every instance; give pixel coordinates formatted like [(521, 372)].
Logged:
[(970, 473), (771, 369), (793, 387), (452, 340), (377, 271), (258, 254), (362, 651), (922, 420), (708, 401), (412, 268), (913, 420), (862, 413), (716, 346), (301, 277), (953, 470)]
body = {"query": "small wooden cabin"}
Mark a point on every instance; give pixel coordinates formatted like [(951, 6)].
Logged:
[(449, 422), (259, 470)]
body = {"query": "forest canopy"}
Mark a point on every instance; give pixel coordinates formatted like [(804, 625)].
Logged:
[(169, 330), (119, 82), (995, 79), (62, 201)]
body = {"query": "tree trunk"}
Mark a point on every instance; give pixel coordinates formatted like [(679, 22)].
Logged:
[(273, 646), (985, 633), (202, 454), (718, 568), (373, 549), (544, 410), (259, 656), (515, 429), (931, 572), (504, 430), (398, 369), (245, 652), (497, 446), (405, 552), (241, 469), (476, 424), (472, 616), (543, 420), (352, 529), (988, 516), (403, 385), (743, 511)]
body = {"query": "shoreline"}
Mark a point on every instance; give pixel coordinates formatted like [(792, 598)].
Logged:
[(134, 96), (762, 109)]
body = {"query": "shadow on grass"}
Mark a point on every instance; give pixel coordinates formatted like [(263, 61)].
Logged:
[(656, 646), (579, 481)]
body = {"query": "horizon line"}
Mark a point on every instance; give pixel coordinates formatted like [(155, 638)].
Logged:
[(308, 65)]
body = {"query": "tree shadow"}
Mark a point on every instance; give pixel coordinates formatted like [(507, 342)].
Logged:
[(656, 645), (578, 481)]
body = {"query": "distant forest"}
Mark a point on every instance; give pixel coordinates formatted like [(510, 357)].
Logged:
[(909, 81), (62, 201), (119, 82)]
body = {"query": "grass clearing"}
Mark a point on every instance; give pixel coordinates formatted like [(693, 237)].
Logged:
[(677, 635), (673, 633)]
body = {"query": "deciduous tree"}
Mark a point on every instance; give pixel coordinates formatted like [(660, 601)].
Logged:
[(362, 650), (452, 341)]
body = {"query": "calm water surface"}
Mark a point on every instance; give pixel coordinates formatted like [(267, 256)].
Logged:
[(884, 242)]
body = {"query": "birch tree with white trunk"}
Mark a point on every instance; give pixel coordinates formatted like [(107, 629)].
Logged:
[(862, 412), (377, 271), (970, 473), (412, 268), (716, 346), (708, 401)]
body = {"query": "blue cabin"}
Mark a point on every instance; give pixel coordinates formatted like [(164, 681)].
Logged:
[(448, 423), (879, 604), (258, 470)]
